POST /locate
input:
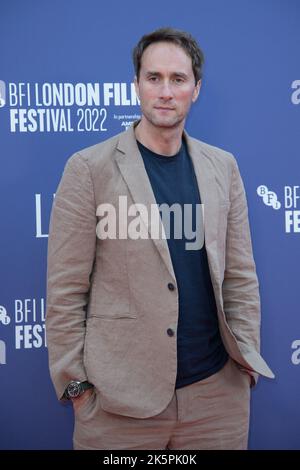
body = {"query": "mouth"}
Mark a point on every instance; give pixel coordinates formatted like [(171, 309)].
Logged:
[(163, 108)]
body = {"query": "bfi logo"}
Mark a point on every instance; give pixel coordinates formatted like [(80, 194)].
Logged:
[(291, 196), (269, 197)]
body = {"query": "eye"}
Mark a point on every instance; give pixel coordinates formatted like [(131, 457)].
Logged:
[(153, 79), (178, 80)]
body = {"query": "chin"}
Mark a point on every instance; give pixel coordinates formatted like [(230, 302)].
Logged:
[(166, 123)]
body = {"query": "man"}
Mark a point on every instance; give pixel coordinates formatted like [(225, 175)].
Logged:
[(155, 339)]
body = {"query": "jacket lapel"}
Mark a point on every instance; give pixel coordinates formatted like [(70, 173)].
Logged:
[(207, 187), (209, 198), (132, 168)]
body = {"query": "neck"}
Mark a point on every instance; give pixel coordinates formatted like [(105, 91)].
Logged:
[(162, 140)]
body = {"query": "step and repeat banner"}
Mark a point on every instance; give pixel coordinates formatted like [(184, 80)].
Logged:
[(66, 82)]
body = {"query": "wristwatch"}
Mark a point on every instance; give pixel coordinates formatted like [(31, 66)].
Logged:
[(76, 388)]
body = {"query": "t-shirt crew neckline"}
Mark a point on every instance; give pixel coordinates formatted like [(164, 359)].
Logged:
[(166, 158)]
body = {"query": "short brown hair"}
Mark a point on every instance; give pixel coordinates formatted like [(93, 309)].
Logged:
[(175, 36)]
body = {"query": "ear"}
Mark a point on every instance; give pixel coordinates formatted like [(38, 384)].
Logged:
[(196, 91), (136, 86)]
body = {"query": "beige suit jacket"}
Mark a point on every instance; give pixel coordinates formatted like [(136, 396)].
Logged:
[(108, 302)]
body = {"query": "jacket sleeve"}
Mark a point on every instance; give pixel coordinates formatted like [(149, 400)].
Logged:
[(71, 252), (240, 286)]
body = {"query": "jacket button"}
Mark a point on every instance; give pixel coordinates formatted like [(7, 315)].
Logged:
[(171, 286), (170, 332)]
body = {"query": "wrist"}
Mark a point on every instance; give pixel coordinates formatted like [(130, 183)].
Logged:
[(76, 388)]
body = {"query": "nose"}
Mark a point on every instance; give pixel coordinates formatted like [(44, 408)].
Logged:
[(165, 91)]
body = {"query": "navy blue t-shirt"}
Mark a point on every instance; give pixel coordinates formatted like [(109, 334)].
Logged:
[(200, 350)]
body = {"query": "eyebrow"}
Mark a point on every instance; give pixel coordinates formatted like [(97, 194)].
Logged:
[(176, 74)]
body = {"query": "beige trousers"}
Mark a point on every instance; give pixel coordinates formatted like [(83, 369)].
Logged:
[(210, 414)]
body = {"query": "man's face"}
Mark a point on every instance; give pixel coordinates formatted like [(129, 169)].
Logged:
[(166, 86)]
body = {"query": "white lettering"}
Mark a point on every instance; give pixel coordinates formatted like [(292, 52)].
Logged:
[(29, 310), (292, 221), (30, 336), (291, 196), (295, 98), (296, 354), (2, 352), (119, 94)]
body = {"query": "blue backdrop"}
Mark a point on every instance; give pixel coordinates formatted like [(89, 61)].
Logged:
[(66, 77)]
